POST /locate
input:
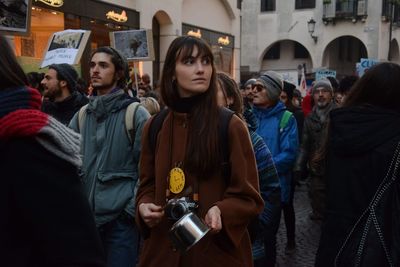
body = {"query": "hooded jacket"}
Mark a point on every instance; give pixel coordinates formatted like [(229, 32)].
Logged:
[(360, 148), (283, 143), (110, 161), (270, 188)]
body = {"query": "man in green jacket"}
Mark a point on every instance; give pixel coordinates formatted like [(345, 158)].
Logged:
[(111, 156)]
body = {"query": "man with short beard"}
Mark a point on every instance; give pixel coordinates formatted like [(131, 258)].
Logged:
[(60, 91), (111, 156), (314, 130)]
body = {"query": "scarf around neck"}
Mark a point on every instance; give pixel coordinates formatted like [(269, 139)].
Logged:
[(20, 116)]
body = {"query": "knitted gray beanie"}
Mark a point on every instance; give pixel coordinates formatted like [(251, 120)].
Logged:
[(273, 82), (324, 83), (249, 82)]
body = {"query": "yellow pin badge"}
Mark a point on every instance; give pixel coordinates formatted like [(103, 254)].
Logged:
[(176, 180)]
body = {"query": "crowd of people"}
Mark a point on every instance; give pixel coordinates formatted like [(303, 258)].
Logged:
[(114, 168)]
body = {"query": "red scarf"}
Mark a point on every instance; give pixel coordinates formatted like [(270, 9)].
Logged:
[(20, 113)]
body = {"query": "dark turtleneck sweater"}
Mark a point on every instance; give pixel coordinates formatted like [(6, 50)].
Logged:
[(64, 111), (186, 104)]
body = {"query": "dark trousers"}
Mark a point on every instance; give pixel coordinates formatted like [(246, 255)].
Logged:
[(317, 195), (270, 241), (289, 215), (120, 239)]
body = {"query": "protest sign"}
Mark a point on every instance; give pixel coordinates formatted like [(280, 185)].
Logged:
[(15, 17), (65, 47), (323, 73), (364, 65), (134, 44), (290, 76)]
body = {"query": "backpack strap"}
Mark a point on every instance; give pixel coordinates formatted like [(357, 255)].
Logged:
[(129, 120), (284, 120), (155, 127), (81, 117), (225, 117)]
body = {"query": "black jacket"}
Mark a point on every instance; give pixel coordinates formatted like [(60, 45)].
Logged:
[(65, 110), (360, 147), (45, 217)]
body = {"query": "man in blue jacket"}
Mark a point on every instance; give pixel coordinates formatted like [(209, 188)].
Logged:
[(111, 156), (281, 139)]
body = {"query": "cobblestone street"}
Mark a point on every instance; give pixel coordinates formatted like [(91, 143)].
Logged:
[(307, 234)]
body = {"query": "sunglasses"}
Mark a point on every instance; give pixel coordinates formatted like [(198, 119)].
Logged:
[(258, 87)]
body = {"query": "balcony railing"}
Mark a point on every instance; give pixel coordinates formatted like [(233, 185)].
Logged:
[(344, 9), (387, 9)]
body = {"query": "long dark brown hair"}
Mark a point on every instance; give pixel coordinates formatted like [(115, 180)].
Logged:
[(11, 73), (379, 86), (203, 155)]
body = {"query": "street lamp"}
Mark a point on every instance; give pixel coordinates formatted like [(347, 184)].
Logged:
[(311, 29)]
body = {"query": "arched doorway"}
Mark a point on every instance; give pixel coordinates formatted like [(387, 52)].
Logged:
[(161, 31), (342, 54), (287, 57)]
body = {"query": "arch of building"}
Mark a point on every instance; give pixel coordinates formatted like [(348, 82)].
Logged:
[(286, 44), (342, 53), (168, 20)]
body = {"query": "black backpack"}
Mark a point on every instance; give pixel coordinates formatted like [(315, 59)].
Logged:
[(224, 118)]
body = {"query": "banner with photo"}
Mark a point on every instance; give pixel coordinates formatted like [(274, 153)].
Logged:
[(134, 44), (65, 47), (15, 17)]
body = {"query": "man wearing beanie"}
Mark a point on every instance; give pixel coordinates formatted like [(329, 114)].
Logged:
[(282, 141), (313, 131), (62, 100), (247, 93)]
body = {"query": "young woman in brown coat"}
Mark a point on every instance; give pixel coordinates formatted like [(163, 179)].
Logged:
[(189, 142)]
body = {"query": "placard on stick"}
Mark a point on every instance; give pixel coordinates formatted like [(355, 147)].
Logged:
[(65, 47), (134, 44)]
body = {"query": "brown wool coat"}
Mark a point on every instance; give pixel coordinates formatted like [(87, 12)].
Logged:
[(239, 202)]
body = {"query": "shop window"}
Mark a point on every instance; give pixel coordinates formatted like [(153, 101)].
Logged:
[(222, 58), (301, 4), (274, 52), (101, 32), (300, 51), (72, 22), (29, 49), (267, 5)]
